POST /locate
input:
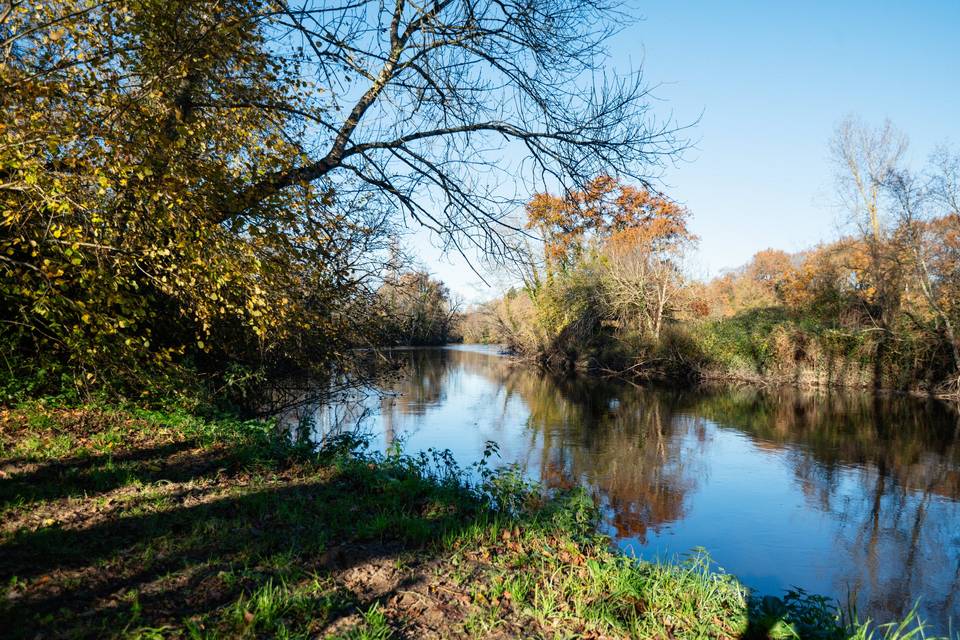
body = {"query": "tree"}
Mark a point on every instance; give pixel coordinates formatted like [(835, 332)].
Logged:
[(929, 225), (864, 157), (769, 268), (605, 208), (825, 284), (619, 249), (760, 283), (120, 139), (424, 101), (418, 309), (480, 324), (643, 277)]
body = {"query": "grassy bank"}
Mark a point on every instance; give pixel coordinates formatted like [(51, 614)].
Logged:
[(130, 523)]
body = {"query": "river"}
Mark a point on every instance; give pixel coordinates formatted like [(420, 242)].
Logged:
[(848, 495)]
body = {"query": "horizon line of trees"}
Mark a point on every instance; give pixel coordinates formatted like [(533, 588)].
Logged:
[(879, 306), (418, 310)]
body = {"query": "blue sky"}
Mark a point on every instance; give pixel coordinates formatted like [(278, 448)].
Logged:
[(771, 80)]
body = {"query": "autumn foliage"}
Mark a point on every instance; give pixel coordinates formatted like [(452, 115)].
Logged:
[(127, 129), (605, 211), (611, 292), (612, 265)]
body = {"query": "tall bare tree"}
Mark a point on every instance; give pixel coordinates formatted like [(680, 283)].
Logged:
[(442, 107), (929, 222), (642, 284), (864, 157)]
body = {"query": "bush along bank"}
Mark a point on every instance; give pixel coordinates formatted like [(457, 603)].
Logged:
[(760, 347), (771, 346), (120, 522)]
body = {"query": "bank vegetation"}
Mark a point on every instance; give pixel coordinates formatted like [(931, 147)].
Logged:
[(610, 288)]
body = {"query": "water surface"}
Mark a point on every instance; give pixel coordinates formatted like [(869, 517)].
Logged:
[(836, 493)]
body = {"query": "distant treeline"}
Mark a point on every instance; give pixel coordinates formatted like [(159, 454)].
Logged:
[(418, 310), (878, 307)]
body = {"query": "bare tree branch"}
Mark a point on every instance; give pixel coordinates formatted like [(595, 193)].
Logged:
[(453, 103)]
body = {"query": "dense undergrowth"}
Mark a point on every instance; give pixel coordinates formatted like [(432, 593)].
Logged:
[(774, 345), (762, 346), (130, 523)]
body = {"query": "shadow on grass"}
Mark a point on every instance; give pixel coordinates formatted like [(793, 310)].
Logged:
[(101, 473), (183, 540)]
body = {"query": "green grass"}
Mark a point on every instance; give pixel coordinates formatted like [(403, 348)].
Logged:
[(119, 522)]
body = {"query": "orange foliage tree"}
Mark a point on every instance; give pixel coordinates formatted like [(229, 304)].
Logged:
[(605, 209), (638, 238), (760, 283)]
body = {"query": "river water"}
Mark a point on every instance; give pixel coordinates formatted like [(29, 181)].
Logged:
[(842, 494)]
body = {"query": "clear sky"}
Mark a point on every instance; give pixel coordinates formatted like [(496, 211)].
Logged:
[(771, 80)]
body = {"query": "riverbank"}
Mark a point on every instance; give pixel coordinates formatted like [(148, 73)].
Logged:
[(763, 348), (124, 522)]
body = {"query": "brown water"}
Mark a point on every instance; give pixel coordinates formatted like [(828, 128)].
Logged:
[(836, 493)]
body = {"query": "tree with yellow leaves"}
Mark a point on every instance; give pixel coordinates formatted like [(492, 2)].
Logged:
[(122, 133)]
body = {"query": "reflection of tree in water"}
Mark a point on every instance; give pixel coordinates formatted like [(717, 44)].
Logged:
[(306, 409), (427, 376), (419, 384), (886, 469), (898, 435), (421, 381), (627, 447), (413, 379)]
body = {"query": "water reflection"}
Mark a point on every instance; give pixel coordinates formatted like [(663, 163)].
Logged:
[(836, 493)]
